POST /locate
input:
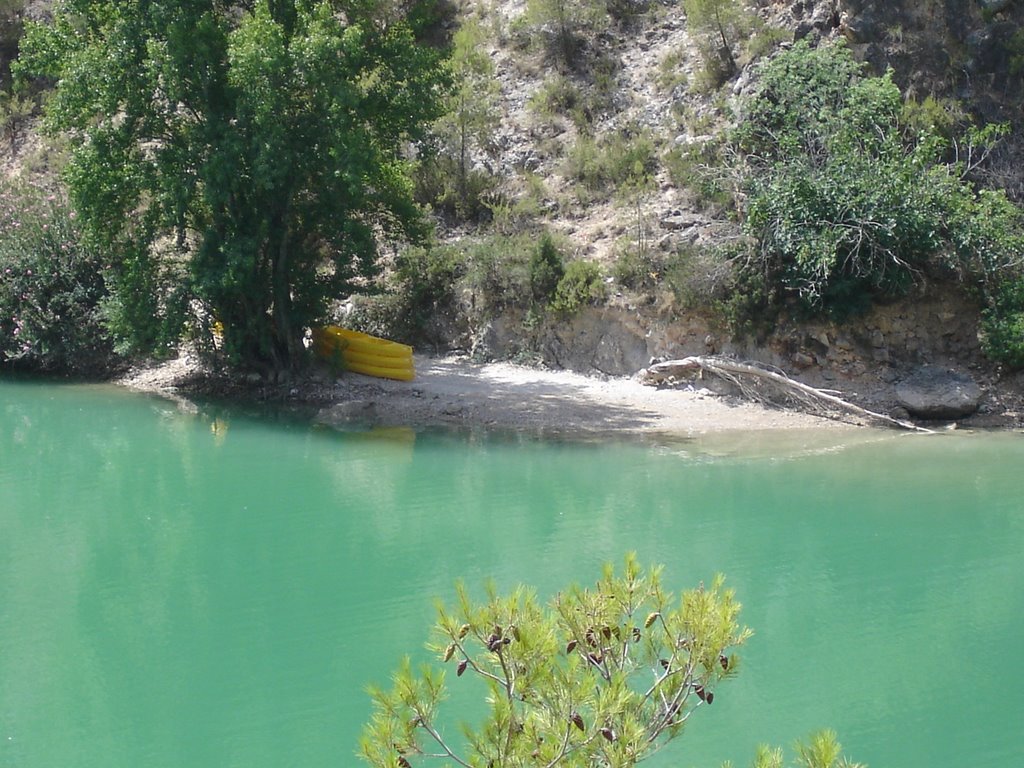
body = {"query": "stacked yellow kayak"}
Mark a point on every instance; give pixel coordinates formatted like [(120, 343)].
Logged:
[(363, 353)]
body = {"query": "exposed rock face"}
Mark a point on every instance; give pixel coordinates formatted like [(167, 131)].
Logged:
[(932, 392), (606, 341)]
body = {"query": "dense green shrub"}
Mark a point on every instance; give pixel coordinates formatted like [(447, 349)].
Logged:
[(985, 231), (699, 168), (700, 277), (498, 273), (430, 275), (582, 285), (720, 25), (452, 190), (51, 287), (564, 26), (147, 311), (637, 268), (626, 12), (582, 99), (546, 270), (842, 207), (379, 314), (480, 277), (421, 288), (1002, 324), (603, 166), (557, 95)]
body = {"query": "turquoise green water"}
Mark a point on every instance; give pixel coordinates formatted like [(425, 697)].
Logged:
[(216, 589)]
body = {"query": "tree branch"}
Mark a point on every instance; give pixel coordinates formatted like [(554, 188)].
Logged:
[(730, 370), (440, 741)]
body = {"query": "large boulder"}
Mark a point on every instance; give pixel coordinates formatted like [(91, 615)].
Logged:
[(932, 392)]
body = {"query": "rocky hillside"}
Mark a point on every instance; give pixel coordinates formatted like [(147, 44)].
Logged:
[(647, 76), (653, 78)]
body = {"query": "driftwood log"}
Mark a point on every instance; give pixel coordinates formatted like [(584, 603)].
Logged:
[(766, 386)]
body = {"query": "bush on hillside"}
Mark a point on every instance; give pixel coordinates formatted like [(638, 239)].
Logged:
[(1002, 325), (720, 26), (582, 103), (482, 277), (564, 26), (842, 208), (638, 269), (453, 191), (606, 165), (447, 177), (546, 270), (581, 286), (51, 287), (421, 288)]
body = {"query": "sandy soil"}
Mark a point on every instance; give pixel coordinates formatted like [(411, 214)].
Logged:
[(453, 391), (449, 390)]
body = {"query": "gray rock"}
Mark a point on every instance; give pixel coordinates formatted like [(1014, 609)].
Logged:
[(932, 392), (817, 343), (493, 340), (900, 413), (678, 220), (996, 6), (803, 29), (619, 353), (863, 28), (349, 412)]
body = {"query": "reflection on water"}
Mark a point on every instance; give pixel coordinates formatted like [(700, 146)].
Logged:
[(214, 588)]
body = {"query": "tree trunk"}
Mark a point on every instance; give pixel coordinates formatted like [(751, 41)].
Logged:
[(463, 151), (287, 342), (726, 48)]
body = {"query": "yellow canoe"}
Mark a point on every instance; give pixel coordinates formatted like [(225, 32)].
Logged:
[(361, 342), (363, 353), (362, 358), (399, 374)]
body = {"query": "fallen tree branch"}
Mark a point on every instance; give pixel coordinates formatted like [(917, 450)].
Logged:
[(736, 373)]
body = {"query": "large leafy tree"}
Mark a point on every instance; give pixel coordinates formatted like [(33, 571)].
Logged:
[(242, 157)]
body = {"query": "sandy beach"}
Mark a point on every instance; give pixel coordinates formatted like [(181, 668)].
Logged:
[(504, 395), (451, 391)]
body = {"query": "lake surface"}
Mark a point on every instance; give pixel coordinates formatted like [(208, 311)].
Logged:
[(217, 588)]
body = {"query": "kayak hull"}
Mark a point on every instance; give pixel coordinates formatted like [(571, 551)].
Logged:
[(362, 353)]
